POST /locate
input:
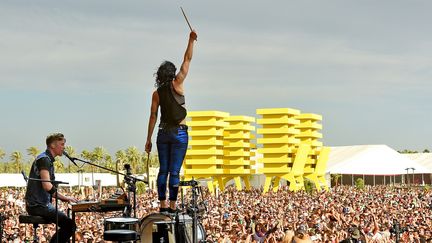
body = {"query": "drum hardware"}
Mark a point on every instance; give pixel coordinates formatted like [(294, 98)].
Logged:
[(158, 227), (121, 223), (195, 210), (129, 179)]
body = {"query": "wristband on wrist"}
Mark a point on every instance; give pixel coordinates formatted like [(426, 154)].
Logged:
[(52, 190)]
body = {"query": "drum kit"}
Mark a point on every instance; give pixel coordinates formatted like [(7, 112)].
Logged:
[(184, 226)]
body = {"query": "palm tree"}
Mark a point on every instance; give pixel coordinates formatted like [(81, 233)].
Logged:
[(134, 157), (58, 165), (71, 151), (3, 164), (154, 161), (407, 151), (2, 153), (8, 167), (109, 162), (144, 161), (16, 158), (120, 160), (336, 178), (26, 167), (33, 152), (87, 155), (2, 167), (98, 156)]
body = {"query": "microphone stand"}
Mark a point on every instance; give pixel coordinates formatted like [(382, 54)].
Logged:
[(194, 186), (131, 188), (195, 211), (55, 183), (129, 179)]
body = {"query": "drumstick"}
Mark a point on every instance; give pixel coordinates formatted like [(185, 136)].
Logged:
[(148, 170), (190, 27)]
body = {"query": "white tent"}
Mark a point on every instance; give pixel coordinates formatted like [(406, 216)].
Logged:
[(370, 160), (74, 179), (424, 159)]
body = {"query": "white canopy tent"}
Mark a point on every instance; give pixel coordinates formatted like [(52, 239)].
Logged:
[(371, 160), (74, 179), (424, 159)]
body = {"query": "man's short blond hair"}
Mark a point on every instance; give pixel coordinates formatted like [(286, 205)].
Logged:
[(54, 137)]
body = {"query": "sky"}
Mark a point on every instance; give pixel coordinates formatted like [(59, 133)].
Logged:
[(85, 68)]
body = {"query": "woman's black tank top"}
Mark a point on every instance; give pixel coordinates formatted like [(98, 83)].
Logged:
[(172, 111)]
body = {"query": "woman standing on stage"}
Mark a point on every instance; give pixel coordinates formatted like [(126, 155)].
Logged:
[(172, 137)]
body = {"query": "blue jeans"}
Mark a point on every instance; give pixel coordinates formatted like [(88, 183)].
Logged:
[(67, 227), (171, 145)]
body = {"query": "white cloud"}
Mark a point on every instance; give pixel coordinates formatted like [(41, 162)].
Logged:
[(309, 54)]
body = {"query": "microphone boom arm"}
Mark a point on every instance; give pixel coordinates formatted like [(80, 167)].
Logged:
[(107, 169)]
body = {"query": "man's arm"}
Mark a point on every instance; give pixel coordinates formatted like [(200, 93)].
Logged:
[(47, 186), (184, 69)]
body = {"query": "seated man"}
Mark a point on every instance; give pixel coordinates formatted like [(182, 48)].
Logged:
[(39, 194)]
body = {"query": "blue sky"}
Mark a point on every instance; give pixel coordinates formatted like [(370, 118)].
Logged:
[(86, 68)]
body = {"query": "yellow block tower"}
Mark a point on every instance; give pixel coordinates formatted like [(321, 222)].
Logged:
[(283, 156), (237, 151), (204, 158), (316, 163)]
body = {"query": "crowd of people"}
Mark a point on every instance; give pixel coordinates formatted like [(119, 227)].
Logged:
[(373, 214), (369, 215)]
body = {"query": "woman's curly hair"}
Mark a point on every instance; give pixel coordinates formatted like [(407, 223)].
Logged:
[(165, 73)]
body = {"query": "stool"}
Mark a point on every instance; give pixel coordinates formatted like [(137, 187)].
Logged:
[(35, 220), (120, 235)]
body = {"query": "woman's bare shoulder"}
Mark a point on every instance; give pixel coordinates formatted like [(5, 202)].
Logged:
[(155, 95)]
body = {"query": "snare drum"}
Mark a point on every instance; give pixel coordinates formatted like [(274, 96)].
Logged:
[(121, 223)]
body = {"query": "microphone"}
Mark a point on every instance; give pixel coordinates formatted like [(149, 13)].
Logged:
[(70, 158), (25, 177)]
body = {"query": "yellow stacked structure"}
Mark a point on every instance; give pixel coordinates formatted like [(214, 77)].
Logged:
[(283, 155), (316, 163), (237, 151), (253, 155), (221, 148), (204, 158)]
